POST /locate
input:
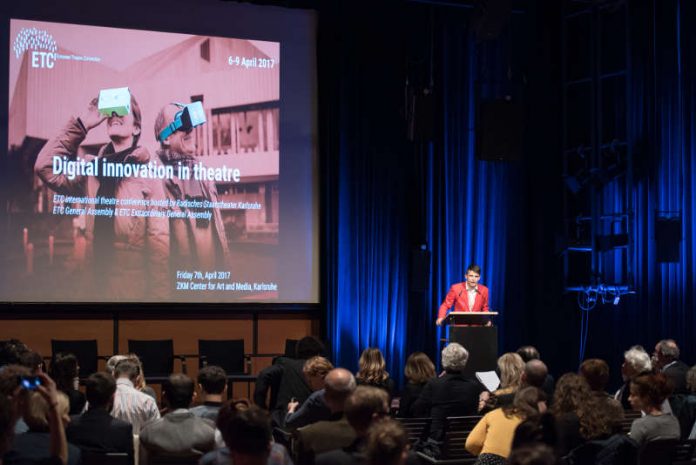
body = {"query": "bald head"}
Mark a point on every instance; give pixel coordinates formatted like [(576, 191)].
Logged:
[(535, 373), (339, 383)]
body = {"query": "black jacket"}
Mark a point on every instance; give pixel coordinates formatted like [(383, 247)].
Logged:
[(97, 431), (676, 375), (409, 396), (285, 380)]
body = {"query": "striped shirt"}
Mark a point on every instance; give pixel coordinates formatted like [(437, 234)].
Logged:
[(133, 406)]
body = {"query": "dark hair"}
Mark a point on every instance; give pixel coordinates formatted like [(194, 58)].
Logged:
[(528, 353), (178, 389), (10, 351), (7, 424), (526, 403), (363, 404), (213, 379), (419, 368), (532, 454), (245, 428), (64, 370), (475, 268), (127, 367), (9, 378), (386, 442), (308, 347), (535, 373), (654, 388), (32, 360), (573, 395), (596, 373), (100, 388)]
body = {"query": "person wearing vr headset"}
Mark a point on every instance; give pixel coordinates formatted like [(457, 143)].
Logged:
[(194, 241), (130, 253)]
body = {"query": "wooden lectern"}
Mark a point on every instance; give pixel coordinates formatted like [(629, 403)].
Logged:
[(469, 330)]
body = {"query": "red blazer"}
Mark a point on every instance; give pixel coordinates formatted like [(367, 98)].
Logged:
[(457, 295)]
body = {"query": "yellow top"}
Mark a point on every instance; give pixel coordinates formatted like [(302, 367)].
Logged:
[(493, 434)]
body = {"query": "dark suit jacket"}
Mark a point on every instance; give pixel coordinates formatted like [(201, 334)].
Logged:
[(452, 395), (97, 431), (409, 397), (676, 375), (285, 380), (323, 436), (34, 448)]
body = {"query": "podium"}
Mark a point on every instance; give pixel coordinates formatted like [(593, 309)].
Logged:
[(466, 328)]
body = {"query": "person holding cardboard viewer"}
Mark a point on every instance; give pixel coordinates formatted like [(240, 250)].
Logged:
[(467, 296)]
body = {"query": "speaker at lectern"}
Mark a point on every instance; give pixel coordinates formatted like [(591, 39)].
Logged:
[(474, 331)]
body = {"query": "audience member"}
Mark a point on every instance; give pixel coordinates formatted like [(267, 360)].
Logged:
[(419, 370), (65, 371), (96, 430), (179, 433), (648, 392), (511, 369), (45, 411), (212, 383), (10, 377), (285, 380), (666, 360), (529, 353), (372, 371), (536, 454), (131, 405), (596, 373), (577, 414), (11, 351), (246, 430), (139, 382), (324, 436), (32, 360), (491, 438), (636, 362), (451, 394), (364, 406), (7, 424), (314, 408), (112, 362), (387, 444)]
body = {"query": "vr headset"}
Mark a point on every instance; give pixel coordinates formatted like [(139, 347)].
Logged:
[(189, 117), (116, 101)]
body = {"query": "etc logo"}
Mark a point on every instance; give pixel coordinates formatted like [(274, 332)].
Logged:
[(41, 44)]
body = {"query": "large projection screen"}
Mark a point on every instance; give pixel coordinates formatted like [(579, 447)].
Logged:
[(166, 161)]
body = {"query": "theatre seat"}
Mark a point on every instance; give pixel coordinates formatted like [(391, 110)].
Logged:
[(228, 354), (157, 357)]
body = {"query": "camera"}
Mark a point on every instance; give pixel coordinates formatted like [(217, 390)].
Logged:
[(30, 383)]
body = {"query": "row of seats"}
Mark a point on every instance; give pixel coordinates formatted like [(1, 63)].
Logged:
[(157, 356)]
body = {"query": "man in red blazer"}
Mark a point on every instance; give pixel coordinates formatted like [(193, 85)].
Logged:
[(469, 296)]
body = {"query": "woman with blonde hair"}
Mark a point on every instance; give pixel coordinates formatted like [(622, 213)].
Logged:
[(511, 367), (372, 370), (419, 369)]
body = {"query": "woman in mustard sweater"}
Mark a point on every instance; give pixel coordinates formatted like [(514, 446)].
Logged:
[(491, 438)]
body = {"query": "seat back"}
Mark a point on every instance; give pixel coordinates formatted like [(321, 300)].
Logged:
[(85, 351), (157, 357), (416, 428), (629, 416), (104, 458), (457, 429), (657, 451), (684, 452), (227, 354)]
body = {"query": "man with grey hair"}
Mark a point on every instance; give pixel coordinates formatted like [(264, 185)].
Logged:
[(636, 362), (450, 395), (666, 361)]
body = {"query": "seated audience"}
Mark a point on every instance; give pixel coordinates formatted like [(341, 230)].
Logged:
[(596, 373), (131, 405), (666, 360), (324, 436), (11, 352), (372, 371), (419, 370), (491, 438), (285, 381), (577, 414), (365, 405), (529, 353), (450, 395), (179, 432), (314, 408), (112, 362), (32, 360), (53, 453), (65, 372), (212, 383), (139, 382), (511, 370), (46, 413), (648, 392), (246, 430), (10, 376), (636, 362), (96, 430), (387, 444)]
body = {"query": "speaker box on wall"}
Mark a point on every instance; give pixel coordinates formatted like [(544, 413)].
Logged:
[(500, 131), (668, 234)]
